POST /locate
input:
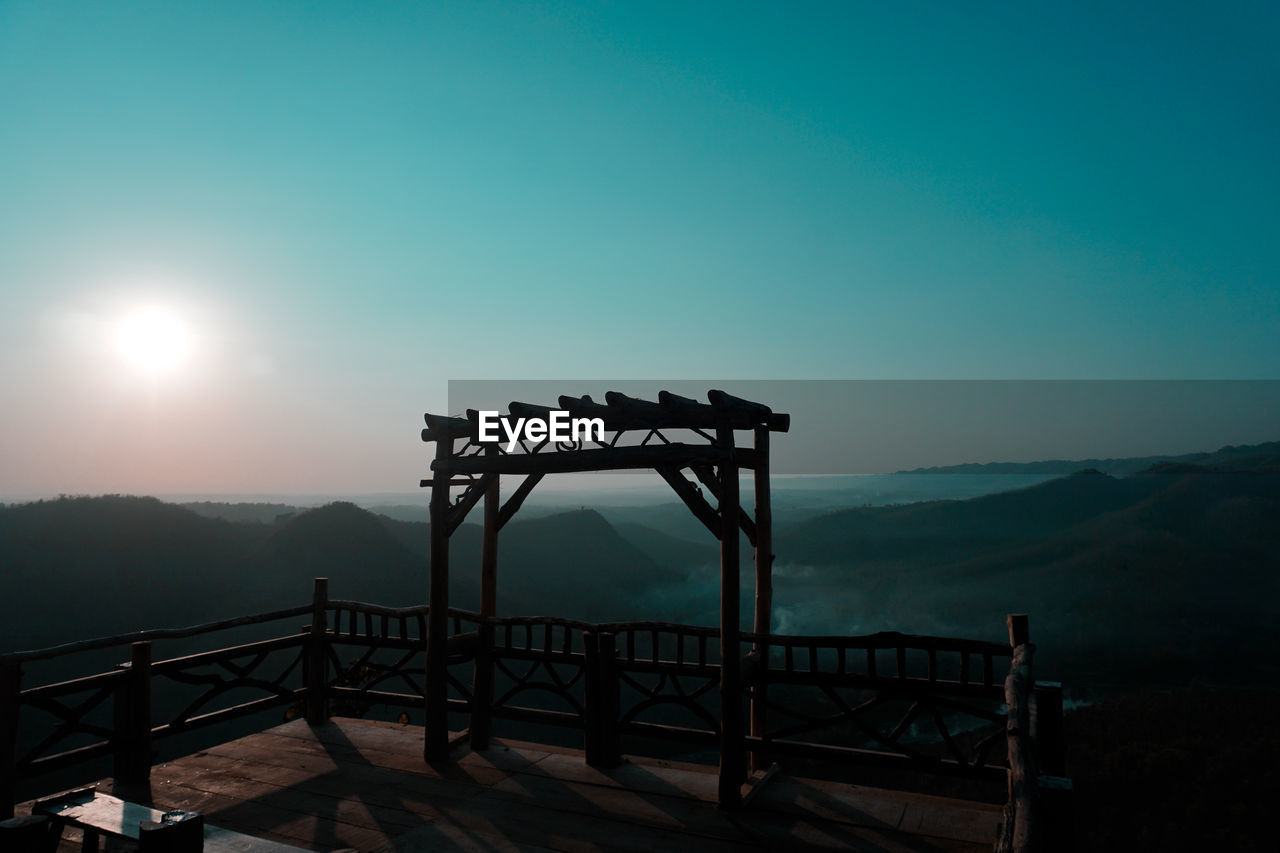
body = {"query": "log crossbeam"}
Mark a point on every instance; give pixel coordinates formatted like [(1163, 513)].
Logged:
[(458, 512), (692, 498), (708, 478), (512, 506), (676, 454)]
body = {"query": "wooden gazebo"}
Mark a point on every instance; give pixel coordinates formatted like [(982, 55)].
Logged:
[(638, 436)]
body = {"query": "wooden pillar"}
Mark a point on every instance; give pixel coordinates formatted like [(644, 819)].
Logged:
[(10, 700), (591, 698), (601, 742), (1018, 832), (482, 677), (610, 689), (436, 736), (764, 585), (732, 757), (132, 735), (316, 674), (1019, 629)]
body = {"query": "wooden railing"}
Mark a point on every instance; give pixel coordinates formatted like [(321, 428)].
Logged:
[(113, 713), (933, 703)]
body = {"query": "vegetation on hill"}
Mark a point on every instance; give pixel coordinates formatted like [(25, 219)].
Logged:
[(1151, 577), (1250, 457)]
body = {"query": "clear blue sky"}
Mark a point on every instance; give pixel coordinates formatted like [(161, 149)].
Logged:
[(346, 205)]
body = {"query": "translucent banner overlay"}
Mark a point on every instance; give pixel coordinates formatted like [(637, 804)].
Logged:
[(858, 427)]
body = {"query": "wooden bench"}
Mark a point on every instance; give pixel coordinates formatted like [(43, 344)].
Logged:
[(171, 832)]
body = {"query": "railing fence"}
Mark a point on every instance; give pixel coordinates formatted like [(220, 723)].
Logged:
[(894, 699)]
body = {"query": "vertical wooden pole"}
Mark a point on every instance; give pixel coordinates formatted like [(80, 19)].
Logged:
[(591, 710), (482, 677), (436, 736), (601, 741), (1019, 629), (610, 688), (1018, 832), (10, 700), (1020, 635), (132, 759), (732, 763), (764, 585), (317, 672)]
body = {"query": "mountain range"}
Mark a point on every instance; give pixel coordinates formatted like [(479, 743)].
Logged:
[(1167, 575)]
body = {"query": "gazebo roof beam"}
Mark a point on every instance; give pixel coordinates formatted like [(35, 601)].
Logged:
[(442, 427), (622, 413), (757, 413), (592, 459)]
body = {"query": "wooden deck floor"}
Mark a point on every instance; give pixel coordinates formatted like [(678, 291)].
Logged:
[(363, 785)]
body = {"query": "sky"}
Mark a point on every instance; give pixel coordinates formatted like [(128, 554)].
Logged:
[(320, 213)]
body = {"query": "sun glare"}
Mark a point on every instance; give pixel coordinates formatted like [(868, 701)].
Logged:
[(153, 340)]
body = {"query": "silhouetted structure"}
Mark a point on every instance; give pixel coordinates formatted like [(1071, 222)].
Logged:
[(710, 454)]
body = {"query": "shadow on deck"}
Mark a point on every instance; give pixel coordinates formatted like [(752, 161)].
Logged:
[(361, 784)]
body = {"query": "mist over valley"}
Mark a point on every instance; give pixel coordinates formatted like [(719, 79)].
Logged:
[(1148, 578)]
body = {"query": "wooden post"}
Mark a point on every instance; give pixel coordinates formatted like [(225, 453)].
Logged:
[(1019, 629), (10, 700), (610, 687), (1018, 834), (732, 763), (436, 736), (764, 586), (316, 677), (482, 676), (591, 711), (601, 741), (132, 735)]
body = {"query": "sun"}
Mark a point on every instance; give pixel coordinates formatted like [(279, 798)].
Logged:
[(153, 340)]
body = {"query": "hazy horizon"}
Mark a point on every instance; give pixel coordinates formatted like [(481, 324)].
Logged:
[(619, 488)]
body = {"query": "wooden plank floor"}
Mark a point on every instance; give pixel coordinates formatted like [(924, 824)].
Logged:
[(363, 785)]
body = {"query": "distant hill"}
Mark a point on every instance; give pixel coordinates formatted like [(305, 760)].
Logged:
[(1167, 575), (569, 564), (948, 530), (1156, 575), (362, 558), (1254, 457), (671, 551), (262, 513), (88, 566), (76, 567)]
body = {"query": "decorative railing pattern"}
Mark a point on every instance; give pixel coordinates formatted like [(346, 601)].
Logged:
[(887, 698), (668, 678), (75, 707), (271, 667), (936, 703), (50, 727), (390, 648), (538, 657)]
